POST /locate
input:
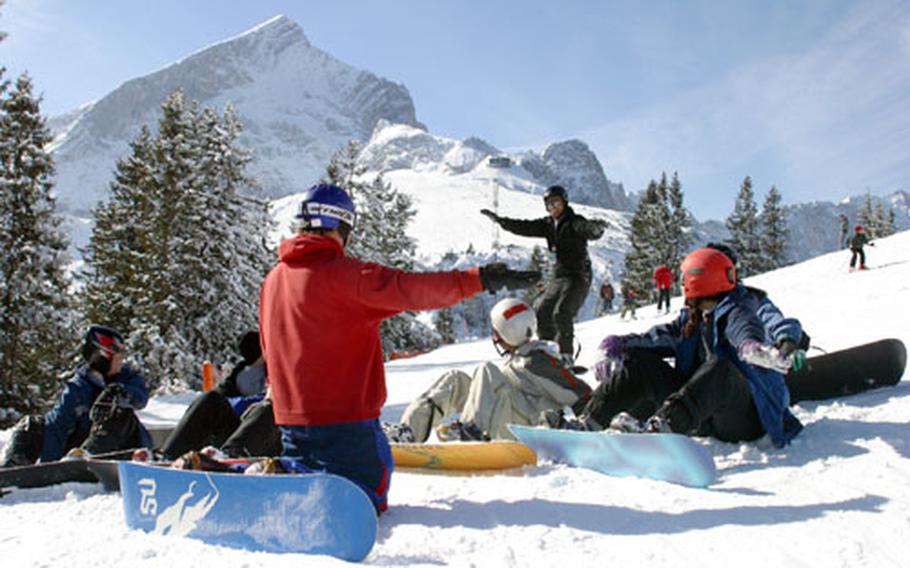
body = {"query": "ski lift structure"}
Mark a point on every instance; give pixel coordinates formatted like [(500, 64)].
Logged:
[(500, 162)]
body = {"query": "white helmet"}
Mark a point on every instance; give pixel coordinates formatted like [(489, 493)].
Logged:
[(514, 322)]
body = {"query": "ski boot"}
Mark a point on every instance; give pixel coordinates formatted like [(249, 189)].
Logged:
[(461, 432), (399, 433)]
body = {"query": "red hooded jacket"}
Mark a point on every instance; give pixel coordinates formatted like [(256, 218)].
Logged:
[(319, 316), (663, 277)]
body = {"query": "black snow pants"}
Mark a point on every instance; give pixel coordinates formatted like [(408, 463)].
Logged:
[(716, 401), (558, 306)]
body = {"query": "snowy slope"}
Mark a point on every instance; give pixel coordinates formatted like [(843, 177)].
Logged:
[(838, 496)]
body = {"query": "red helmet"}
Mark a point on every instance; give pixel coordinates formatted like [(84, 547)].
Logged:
[(859, 229), (707, 272)]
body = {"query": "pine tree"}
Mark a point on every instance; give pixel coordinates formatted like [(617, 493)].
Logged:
[(178, 252), (679, 235), (37, 321), (541, 262), (743, 225), (866, 216), (644, 235), (775, 232)]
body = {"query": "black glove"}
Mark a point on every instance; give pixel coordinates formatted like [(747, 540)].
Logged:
[(497, 275), (487, 213)]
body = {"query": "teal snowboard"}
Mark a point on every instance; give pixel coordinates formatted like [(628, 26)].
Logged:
[(667, 457), (313, 513)]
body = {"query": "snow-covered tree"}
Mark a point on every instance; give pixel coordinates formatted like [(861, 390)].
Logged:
[(179, 251), (644, 236), (743, 224), (774, 232), (37, 321), (659, 233)]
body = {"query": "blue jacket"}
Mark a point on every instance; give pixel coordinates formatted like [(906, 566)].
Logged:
[(70, 414), (738, 317)]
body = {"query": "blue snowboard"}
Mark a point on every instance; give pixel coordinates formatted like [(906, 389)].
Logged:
[(314, 513), (667, 457)]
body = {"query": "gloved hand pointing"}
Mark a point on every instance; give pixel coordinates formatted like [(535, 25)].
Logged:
[(497, 275)]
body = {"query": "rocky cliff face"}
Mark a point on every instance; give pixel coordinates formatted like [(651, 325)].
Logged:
[(297, 104)]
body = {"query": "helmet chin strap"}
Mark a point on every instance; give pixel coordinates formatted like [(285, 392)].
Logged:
[(502, 348)]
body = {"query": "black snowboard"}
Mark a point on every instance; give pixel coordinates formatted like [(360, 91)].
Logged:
[(52, 473), (849, 371)]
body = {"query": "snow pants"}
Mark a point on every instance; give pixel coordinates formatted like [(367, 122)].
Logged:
[(489, 398), (211, 420), (862, 258), (715, 401), (558, 306), (358, 451), (663, 298)]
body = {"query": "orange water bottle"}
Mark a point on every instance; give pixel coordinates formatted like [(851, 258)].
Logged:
[(208, 376)]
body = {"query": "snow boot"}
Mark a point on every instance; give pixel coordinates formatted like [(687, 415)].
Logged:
[(399, 433), (461, 432)]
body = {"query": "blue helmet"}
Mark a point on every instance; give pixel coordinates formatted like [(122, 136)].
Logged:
[(326, 206)]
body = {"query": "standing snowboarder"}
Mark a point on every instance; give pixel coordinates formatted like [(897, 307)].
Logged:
[(567, 234), (629, 302), (95, 411), (319, 317), (663, 280), (857, 241)]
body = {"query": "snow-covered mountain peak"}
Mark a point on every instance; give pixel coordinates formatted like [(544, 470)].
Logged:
[(298, 105)]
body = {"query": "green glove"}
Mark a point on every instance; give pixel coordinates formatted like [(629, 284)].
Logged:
[(797, 356)]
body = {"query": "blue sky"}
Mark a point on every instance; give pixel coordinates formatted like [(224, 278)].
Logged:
[(810, 96)]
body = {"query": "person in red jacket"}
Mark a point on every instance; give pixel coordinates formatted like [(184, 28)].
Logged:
[(319, 319), (663, 279)]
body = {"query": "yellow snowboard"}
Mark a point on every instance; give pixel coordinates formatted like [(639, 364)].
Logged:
[(464, 456)]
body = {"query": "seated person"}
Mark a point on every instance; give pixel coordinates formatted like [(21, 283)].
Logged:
[(534, 377), (727, 380), (235, 417), (95, 412)]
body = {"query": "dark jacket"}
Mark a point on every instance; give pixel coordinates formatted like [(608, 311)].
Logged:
[(70, 415), (735, 319), (857, 241), (568, 237)]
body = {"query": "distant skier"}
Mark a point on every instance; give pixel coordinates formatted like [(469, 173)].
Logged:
[(844, 229), (857, 241), (567, 234), (663, 280), (319, 318), (629, 301), (532, 379), (606, 297), (95, 412)]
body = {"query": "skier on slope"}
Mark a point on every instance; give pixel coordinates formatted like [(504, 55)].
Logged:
[(319, 322), (857, 241), (663, 281), (95, 412), (235, 418), (727, 381), (567, 234), (533, 378)]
